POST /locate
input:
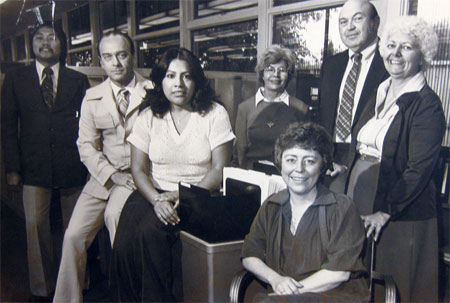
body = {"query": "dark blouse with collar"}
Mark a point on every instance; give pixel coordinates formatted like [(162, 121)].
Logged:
[(307, 254)]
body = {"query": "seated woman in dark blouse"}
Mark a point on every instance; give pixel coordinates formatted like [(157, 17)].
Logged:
[(305, 241)]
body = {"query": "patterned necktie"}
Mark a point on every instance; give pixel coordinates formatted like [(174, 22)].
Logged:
[(123, 101), (344, 122), (47, 86)]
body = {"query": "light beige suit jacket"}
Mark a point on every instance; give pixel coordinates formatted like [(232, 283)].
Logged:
[(102, 139)]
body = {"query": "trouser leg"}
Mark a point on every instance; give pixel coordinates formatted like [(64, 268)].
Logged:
[(68, 197), (36, 202), (116, 201), (161, 260), (146, 258), (86, 221)]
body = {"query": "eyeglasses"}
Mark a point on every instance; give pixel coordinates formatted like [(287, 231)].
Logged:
[(272, 70)]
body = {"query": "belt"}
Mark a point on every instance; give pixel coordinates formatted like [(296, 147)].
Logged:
[(369, 158)]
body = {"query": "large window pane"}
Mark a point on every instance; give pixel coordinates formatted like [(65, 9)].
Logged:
[(205, 8), (79, 27), (309, 35), (113, 13), (153, 15), (83, 58), (230, 47), (21, 52), (151, 50)]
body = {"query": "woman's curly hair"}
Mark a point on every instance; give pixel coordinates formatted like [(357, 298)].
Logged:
[(419, 30), (203, 97), (305, 135)]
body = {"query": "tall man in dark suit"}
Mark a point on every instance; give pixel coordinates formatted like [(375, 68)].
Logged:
[(349, 79), (40, 115)]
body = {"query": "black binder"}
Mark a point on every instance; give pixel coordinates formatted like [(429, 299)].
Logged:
[(217, 219)]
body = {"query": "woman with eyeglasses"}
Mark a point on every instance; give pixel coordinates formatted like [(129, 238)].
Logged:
[(261, 119)]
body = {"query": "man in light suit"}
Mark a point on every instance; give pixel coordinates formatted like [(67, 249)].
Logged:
[(108, 113), (358, 27), (40, 113)]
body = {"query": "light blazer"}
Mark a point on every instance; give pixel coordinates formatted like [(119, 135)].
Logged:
[(39, 142), (102, 139), (333, 71)]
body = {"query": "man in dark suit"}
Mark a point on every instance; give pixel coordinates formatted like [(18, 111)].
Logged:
[(40, 115), (341, 102)]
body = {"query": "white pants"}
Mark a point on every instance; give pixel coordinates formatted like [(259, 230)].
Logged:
[(40, 250), (86, 221)]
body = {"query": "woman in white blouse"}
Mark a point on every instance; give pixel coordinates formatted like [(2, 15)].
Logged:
[(181, 136), (395, 149)]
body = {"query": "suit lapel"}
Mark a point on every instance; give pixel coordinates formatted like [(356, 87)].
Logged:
[(65, 88), (377, 73), (109, 101), (135, 97), (30, 81), (339, 70)]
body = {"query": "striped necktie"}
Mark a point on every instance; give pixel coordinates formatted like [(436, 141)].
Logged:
[(47, 86), (123, 101), (344, 121)]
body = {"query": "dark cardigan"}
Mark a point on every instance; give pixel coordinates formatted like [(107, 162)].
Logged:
[(411, 147)]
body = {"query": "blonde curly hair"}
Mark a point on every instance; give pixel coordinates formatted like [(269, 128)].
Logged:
[(419, 30)]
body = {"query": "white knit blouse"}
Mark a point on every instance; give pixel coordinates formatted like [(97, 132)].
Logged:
[(184, 157)]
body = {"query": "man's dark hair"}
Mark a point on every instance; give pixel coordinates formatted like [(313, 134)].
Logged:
[(59, 33), (116, 32)]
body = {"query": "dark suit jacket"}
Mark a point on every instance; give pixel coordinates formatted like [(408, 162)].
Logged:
[(411, 147), (38, 142), (333, 70)]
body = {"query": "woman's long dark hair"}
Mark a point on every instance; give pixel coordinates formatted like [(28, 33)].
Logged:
[(203, 97)]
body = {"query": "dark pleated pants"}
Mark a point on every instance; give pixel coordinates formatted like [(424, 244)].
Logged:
[(146, 256)]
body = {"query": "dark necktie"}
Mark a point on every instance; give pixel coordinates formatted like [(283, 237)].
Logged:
[(47, 86), (344, 121), (123, 101)]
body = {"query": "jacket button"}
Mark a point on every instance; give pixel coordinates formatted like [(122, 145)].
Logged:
[(52, 145), (52, 129)]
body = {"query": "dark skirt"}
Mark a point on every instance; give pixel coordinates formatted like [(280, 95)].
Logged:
[(146, 256), (362, 184), (407, 250)]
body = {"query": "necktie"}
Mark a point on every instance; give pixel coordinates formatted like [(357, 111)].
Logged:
[(123, 101), (47, 86), (344, 121)]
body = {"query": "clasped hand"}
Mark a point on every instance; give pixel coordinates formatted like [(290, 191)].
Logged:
[(374, 223), (338, 169), (165, 207), (283, 285)]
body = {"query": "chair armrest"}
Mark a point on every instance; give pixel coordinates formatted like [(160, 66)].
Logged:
[(389, 284), (239, 284)]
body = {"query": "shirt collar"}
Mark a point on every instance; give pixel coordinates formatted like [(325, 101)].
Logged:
[(324, 196), (367, 53), (40, 68), (129, 87), (414, 84), (259, 97)]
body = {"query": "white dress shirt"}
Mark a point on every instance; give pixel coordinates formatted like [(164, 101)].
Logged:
[(367, 56), (55, 68)]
